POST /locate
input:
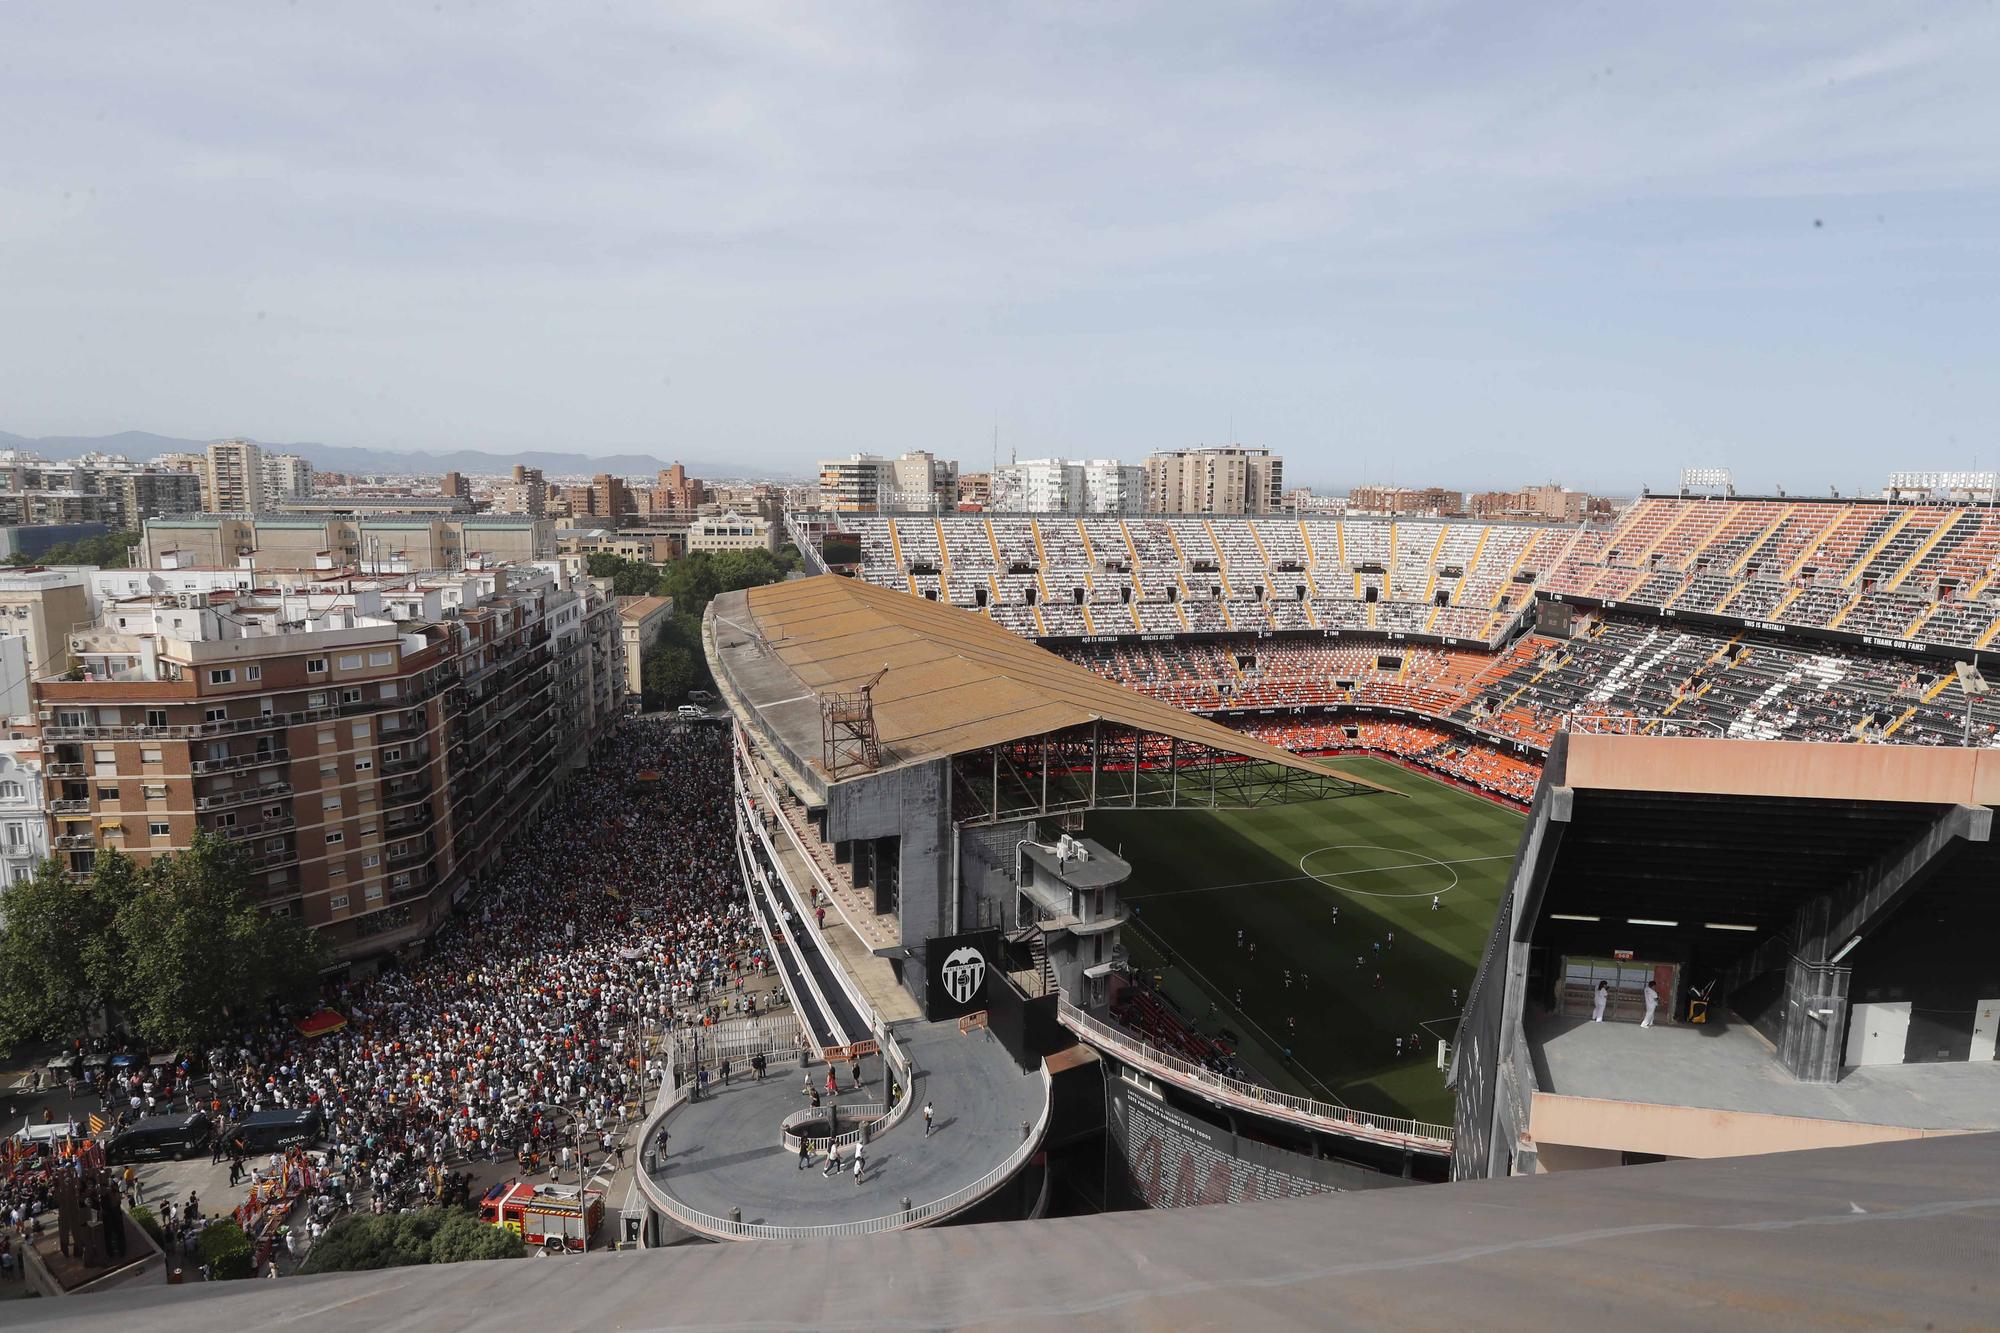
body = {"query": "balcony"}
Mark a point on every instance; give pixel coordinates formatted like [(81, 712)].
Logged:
[(272, 860), (419, 885), (53, 732), (390, 767), (404, 790), (75, 842), (230, 763), (63, 770), (411, 856), (75, 805), (241, 795), (281, 824)]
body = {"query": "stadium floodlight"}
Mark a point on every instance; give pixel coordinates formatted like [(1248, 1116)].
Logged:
[(1971, 680), (1648, 921), (1707, 478), (1572, 916), (1726, 925), (1845, 950), (1968, 483)]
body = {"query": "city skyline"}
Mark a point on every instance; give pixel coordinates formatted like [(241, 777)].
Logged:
[(1417, 244)]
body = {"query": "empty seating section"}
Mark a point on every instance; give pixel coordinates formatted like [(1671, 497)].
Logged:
[(1902, 570), (1920, 572)]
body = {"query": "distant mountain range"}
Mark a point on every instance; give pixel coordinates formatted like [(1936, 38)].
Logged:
[(141, 445)]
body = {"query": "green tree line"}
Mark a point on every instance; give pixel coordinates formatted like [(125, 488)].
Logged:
[(111, 551), (179, 947), (675, 663)]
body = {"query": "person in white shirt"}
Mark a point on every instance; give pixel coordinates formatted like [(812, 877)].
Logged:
[(1652, 1003), (1598, 1001)]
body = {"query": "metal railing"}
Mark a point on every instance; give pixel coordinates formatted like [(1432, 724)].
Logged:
[(255, 759), (866, 1116), (241, 795), (807, 920), (935, 1211), (1398, 1130)]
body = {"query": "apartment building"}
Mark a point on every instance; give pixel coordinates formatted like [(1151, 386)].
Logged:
[(234, 478), (1433, 501), (24, 826), (1229, 480), (677, 492), (372, 743), (527, 493), (40, 607), (731, 532), (286, 477), (1061, 486), (916, 482), (640, 620)]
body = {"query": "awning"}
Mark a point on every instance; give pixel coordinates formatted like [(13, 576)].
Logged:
[(321, 1023)]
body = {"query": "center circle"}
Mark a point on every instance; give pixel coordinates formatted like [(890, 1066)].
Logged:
[(1405, 860)]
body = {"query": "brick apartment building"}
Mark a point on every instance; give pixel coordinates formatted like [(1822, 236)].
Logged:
[(372, 743)]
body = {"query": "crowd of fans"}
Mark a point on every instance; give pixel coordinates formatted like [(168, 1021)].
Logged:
[(516, 1034), (1464, 760)]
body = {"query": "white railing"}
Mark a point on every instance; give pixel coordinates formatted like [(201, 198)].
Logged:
[(1397, 1130), (767, 913), (866, 1115), (936, 1211), (806, 918)]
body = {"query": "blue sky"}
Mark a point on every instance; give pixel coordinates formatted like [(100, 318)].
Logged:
[(1402, 241)]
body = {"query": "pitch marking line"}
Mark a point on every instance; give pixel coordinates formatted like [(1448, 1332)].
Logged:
[(1326, 875)]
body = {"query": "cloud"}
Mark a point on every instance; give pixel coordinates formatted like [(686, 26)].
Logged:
[(785, 229)]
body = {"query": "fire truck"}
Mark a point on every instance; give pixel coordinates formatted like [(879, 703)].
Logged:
[(546, 1215)]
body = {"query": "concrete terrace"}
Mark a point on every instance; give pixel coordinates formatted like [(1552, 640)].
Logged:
[(1730, 1067), (724, 1151)]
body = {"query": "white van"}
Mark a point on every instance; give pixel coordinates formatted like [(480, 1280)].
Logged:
[(690, 711)]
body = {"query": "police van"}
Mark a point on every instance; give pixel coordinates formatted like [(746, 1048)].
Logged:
[(158, 1137)]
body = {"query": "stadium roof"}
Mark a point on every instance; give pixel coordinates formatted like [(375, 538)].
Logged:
[(956, 682), (1885, 1234)]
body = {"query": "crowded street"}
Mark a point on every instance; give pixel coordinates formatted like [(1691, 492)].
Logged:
[(511, 1045)]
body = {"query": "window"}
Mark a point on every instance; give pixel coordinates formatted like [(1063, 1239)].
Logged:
[(338, 902), (370, 860), (217, 715), (156, 717), (155, 791), (392, 754), (226, 820), (330, 803), (336, 869), (149, 756), (388, 688), (350, 696), (103, 756), (272, 812), (253, 673), (381, 659), (329, 770), (326, 737), (374, 893), (222, 676), (368, 828), (159, 828), (335, 838), (315, 666), (11, 791), (350, 661), (17, 836), (274, 844), (317, 699), (107, 793), (363, 765)]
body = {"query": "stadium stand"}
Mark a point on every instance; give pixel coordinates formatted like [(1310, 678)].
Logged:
[(1754, 618)]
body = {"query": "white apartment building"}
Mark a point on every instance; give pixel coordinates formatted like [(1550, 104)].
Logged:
[(1059, 486), (917, 482), (731, 532), (287, 477)]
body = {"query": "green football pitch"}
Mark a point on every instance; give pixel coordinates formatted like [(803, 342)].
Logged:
[(1319, 888)]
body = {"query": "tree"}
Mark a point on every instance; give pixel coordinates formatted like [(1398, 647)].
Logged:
[(400, 1240), (58, 957), (667, 673), (195, 950), (226, 1250), (691, 581), (113, 550), (461, 1238)]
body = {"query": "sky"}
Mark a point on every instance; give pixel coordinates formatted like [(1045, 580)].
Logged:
[(1402, 241)]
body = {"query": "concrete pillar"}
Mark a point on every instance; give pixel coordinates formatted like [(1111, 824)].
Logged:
[(1815, 1033)]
